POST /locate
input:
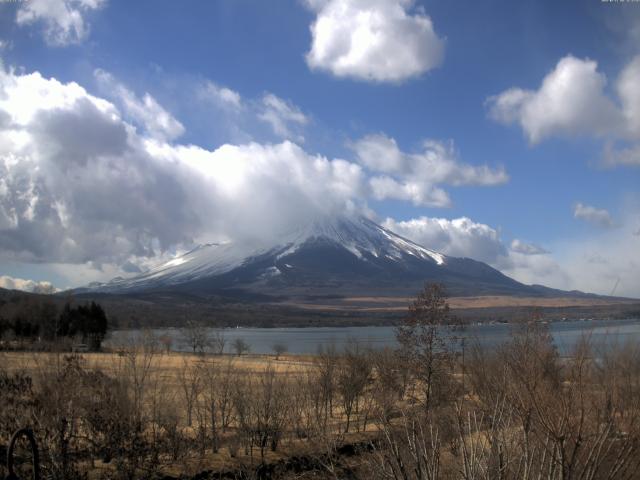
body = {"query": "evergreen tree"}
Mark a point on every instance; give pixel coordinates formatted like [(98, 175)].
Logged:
[(88, 321)]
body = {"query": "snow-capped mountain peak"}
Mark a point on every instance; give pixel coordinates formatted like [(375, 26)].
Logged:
[(358, 235), (325, 254)]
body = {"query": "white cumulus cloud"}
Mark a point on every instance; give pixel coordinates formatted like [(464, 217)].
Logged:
[(79, 183), (98, 185), (628, 87), (424, 194), (525, 248), (589, 265), (219, 95), (63, 21), (11, 283), (627, 156), (463, 237), (416, 176), (267, 117), (596, 216), (459, 237), (575, 99), (145, 111), (571, 100), (373, 40), (284, 117)]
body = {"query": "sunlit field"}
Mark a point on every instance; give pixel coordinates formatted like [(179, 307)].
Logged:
[(518, 410), (319, 240)]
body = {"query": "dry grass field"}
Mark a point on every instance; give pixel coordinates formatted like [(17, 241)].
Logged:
[(173, 394), (163, 364), (420, 412), (399, 304)]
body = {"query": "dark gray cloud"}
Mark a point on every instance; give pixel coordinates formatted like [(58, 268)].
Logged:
[(78, 133), (130, 267)]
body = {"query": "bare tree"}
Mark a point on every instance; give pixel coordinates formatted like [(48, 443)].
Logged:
[(540, 416), (270, 409), (311, 405), (389, 380), (326, 364), (218, 342), (217, 396), (424, 346), (240, 346), (166, 341), (279, 349), (167, 419), (59, 411), (189, 378), (262, 405), (196, 336), (138, 364), (410, 451), (354, 373), (242, 393)]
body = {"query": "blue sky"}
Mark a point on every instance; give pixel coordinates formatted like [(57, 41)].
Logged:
[(556, 170)]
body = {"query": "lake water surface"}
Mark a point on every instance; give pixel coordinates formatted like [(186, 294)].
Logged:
[(603, 333)]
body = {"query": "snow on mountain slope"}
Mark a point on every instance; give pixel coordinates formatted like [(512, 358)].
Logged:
[(359, 235), (364, 239)]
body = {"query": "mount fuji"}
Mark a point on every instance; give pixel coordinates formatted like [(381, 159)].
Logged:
[(331, 256)]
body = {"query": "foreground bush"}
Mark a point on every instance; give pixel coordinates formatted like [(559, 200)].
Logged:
[(518, 411)]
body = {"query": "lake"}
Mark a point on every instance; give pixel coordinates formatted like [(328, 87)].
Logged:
[(603, 333)]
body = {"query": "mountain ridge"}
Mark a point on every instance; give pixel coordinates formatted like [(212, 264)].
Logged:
[(345, 255)]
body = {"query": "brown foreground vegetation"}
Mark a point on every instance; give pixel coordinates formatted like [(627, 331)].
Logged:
[(421, 412)]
